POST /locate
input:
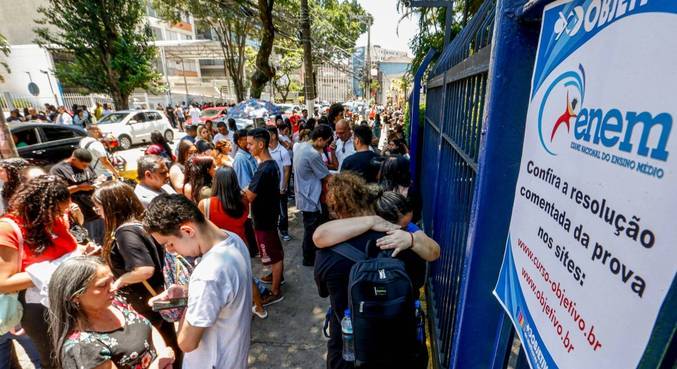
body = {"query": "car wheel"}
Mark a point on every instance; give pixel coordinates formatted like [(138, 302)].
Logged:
[(125, 142), (169, 135)]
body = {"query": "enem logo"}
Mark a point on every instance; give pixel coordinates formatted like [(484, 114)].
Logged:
[(642, 133), (573, 84)]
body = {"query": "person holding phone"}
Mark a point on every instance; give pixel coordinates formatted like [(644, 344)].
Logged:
[(133, 256), (80, 177), (93, 329), (214, 332)]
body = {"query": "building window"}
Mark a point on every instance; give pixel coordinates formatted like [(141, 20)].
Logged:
[(157, 33)]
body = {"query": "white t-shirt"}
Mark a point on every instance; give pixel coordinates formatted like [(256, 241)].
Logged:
[(146, 195), (220, 300), (218, 137), (194, 114), (98, 151), (281, 157)]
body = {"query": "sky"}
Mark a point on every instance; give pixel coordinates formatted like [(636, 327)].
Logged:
[(384, 31)]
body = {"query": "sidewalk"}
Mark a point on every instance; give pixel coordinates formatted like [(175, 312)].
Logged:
[(292, 336)]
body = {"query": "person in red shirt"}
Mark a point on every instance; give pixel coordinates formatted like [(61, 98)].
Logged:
[(34, 230), (228, 209)]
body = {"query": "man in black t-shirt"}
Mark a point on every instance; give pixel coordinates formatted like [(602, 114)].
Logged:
[(362, 161), (80, 178), (264, 194)]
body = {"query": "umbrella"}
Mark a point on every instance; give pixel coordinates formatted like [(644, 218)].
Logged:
[(253, 108)]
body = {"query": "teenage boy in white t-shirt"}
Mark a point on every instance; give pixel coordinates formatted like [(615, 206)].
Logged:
[(215, 329)]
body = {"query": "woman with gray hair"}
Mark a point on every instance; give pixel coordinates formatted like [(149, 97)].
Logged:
[(91, 329)]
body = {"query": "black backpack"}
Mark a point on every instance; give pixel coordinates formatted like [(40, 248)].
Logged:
[(382, 306)]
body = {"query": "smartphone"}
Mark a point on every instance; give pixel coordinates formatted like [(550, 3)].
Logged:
[(170, 304)]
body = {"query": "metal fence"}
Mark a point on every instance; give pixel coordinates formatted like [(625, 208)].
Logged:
[(452, 131)]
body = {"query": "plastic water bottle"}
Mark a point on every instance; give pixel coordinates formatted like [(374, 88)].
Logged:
[(420, 331), (348, 340)]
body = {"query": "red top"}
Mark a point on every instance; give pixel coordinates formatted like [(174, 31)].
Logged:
[(294, 120), (224, 221), (62, 241)]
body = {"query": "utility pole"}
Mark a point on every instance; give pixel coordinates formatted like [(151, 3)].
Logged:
[(367, 65), (308, 81), (185, 82)]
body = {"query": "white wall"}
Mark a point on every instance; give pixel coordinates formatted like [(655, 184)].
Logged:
[(31, 59)]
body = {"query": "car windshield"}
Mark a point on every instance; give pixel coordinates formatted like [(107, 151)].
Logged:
[(113, 118), (210, 112)]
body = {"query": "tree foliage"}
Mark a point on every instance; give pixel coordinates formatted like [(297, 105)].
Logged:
[(107, 44), (231, 21), (288, 64), (431, 22), (4, 50)]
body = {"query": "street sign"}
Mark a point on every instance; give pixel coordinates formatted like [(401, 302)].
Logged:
[(588, 276)]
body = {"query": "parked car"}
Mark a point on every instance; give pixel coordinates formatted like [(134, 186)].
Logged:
[(132, 127), (45, 144), (210, 114), (241, 123), (289, 109)]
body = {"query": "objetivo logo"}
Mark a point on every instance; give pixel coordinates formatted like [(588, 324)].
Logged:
[(560, 105)]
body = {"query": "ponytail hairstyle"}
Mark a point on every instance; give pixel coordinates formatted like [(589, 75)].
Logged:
[(392, 206)]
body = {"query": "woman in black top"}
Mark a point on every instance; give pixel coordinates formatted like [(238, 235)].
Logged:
[(133, 256)]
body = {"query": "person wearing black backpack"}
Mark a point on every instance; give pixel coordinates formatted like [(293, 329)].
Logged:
[(380, 290)]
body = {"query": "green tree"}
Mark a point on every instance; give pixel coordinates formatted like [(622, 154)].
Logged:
[(431, 22), (107, 43), (231, 22), (288, 63), (4, 50)]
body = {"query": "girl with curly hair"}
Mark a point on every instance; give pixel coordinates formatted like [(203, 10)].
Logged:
[(34, 230), (10, 174), (200, 169)]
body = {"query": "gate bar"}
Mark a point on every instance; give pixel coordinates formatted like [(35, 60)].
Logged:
[(480, 319)]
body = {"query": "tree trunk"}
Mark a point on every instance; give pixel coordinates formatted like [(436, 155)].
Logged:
[(120, 100), (264, 72), (7, 148)]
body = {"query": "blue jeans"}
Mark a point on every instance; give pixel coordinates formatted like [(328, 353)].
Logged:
[(6, 350)]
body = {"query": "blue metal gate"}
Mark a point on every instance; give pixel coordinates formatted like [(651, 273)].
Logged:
[(466, 163), (451, 136)]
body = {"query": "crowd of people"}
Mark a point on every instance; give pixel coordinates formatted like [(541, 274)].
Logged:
[(157, 273)]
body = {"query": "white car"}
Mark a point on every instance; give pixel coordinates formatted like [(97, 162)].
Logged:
[(135, 126)]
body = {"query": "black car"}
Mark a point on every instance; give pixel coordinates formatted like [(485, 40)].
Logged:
[(45, 144)]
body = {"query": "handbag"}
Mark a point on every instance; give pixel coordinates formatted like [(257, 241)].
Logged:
[(11, 310)]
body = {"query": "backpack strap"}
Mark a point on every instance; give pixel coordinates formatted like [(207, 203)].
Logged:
[(87, 148), (207, 204), (349, 252)]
